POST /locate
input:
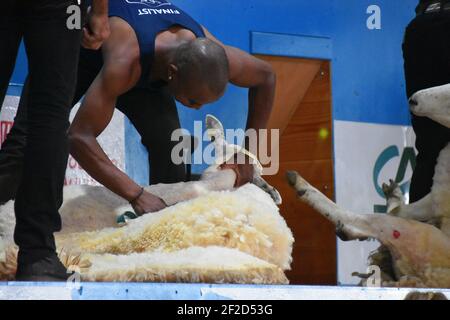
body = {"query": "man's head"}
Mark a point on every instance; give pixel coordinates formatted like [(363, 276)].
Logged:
[(198, 72)]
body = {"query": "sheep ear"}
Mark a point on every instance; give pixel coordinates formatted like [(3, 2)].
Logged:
[(213, 123)]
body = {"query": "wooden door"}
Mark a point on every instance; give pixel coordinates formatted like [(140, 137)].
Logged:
[(302, 112)]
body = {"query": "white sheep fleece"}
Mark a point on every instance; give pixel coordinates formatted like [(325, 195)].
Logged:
[(233, 236), (434, 103), (440, 192), (195, 264)]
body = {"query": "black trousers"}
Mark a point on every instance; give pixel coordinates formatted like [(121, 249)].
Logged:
[(153, 113), (426, 51), (52, 51)]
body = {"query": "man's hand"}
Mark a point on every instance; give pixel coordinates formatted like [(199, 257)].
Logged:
[(96, 31), (244, 172), (148, 202)]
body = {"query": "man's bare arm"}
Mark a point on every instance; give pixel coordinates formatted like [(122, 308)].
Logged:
[(93, 117), (258, 76), (120, 73), (255, 74), (100, 6)]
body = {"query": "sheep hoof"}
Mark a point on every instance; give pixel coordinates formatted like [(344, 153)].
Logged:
[(341, 234), (297, 182), (389, 190), (292, 177), (276, 197)]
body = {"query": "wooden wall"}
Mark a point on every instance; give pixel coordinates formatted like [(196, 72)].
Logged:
[(303, 113)]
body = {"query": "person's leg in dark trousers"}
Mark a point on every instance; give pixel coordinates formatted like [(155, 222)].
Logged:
[(11, 35), (154, 115), (52, 52), (426, 51), (12, 152)]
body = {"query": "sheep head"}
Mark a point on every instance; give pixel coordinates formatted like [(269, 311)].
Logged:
[(433, 103)]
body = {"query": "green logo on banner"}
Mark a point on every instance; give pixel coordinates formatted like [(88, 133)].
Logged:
[(408, 157)]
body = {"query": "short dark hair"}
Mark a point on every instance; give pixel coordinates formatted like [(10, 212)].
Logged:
[(205, 60)]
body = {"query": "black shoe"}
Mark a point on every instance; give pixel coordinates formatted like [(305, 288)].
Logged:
[(46, 269)]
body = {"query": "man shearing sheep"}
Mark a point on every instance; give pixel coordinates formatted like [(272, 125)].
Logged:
[(157, 54)]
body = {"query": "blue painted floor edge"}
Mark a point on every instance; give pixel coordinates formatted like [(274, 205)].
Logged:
[(176, 291)]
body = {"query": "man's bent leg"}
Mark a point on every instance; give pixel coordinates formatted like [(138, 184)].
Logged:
[(52, 52), (154, 115), (13, 148), (426, 51), (12, 152), (11, 34)]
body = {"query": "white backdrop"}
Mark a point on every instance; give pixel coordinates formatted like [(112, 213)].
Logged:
[(112, 141), (358, 146)]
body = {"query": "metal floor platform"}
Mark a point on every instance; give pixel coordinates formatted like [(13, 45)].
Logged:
[(169, 291)]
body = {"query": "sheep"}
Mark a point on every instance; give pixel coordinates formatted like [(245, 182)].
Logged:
[(210, 231), (433, 103), (418, 253)]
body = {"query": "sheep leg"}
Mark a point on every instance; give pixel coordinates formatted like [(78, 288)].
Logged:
[(394, 197), (441, 191), (261, 183), (349, 226), (418, 245), (177, 192), (421, 210)]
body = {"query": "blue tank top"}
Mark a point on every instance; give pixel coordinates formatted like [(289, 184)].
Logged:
[(148, 18)]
